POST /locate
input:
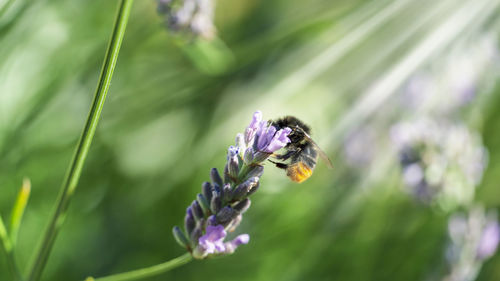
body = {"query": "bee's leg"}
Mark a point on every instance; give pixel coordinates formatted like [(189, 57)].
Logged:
[(279, 165), (283, 156)]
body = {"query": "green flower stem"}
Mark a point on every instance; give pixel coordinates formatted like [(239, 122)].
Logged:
[(148, 271), (8, 251), (82, 148)]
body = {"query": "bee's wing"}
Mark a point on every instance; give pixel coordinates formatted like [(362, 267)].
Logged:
[(321, 153)]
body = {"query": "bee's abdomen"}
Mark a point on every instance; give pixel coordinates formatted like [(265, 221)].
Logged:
[(298, 172)]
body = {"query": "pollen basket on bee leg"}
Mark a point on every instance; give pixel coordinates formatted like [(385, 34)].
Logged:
[(298, 172)]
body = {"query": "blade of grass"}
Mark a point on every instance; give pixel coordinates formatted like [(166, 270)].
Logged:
[(73, 174), (18, 210), (8, 251)]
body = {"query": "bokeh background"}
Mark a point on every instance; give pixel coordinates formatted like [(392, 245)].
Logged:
[(355, 71)]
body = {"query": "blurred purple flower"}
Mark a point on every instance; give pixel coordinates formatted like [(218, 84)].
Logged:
[(193, 17), (474, 237), (442, 161), (489, 240)]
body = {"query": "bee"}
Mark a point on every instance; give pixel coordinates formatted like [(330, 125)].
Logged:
[(302, 152)]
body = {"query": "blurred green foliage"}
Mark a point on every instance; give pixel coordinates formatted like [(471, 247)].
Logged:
[(175, 106)]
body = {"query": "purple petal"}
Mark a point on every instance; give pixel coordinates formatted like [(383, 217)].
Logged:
[(219, 247), (241, 239), (253, 127), (265, 137), (256, 119), (279, 140), (215, 232), (211, 242)]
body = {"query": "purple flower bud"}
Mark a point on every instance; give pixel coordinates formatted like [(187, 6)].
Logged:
[(233, 162), (206, 190), (489, 241), (248, 156), (242, 190), (226, 215), (189, 222), (216, 179), (227, 177), (242, 206), (212, 220), (253, 189), (256, 171), (197, 233), (226, 193), (215, 204), (197, 210), (203, 203), (180, 237)]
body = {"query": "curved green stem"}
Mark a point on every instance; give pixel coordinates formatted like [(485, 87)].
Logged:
[(148, 271), (82, 148)]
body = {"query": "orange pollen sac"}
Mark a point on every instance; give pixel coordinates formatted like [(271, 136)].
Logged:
[(298, 172)]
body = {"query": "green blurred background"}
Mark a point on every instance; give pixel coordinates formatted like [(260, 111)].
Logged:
[(175, 106)]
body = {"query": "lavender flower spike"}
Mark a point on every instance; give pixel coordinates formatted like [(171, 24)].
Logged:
[(220, 205)]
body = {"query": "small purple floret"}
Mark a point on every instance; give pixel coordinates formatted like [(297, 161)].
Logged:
[(270, 140), (279, 140), (266, 137), (212, 241)]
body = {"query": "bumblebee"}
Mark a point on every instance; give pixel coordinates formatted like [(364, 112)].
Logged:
[(302, 152)]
